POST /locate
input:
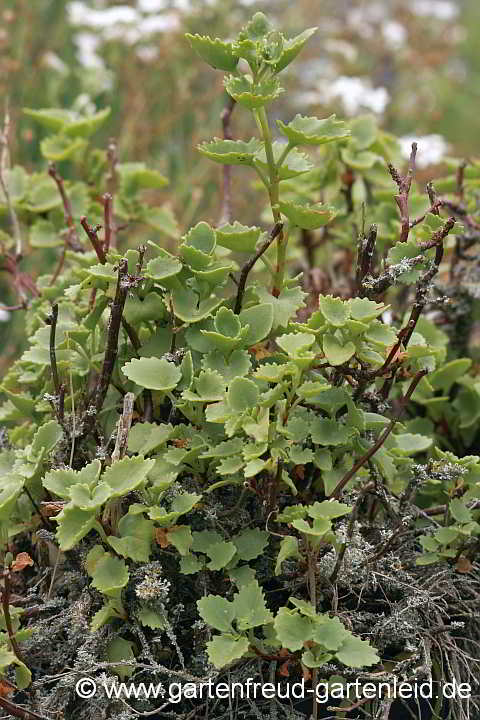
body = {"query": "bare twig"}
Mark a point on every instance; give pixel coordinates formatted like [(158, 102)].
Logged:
[(72, 236), (6, 614), (382, 437), (92, 232), (124, 425), (112, 335), (365, 255), (276, 230), (112, 158), (404, 183), (421, 295), (52, 321), (4, 166), (226, 115), (19, 712), (110, 227)]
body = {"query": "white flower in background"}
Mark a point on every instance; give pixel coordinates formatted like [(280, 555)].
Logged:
[(394, 33), (87, 46), (81, 14), (440, 9), (431, 149), (341, 47), (152, 6), (160, 23), (4, 315), (356, 93), (54, 62), (147, 53)]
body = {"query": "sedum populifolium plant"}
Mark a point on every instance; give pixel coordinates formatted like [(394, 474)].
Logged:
[(260, 434)]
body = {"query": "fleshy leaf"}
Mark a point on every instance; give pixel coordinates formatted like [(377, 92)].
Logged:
[(308, 217), (217, 612), (225, 648), (335, 352), (238, 237), (252, 95), (312, 131), (216, 53), (231, 152), (153, 373), (127, 474), (250, 608), (292, 629)]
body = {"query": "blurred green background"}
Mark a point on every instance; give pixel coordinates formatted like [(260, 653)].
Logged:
[(413, 63)]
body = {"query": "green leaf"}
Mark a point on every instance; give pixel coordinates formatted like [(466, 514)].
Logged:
[(285, 306), (427, 559), (44, 235), (296, 163), (329, 509), (136, 176), (16, 180), (60, 147), (217, 612), (252, 95), (220, 554), (308, 217), (288, 548), (292, 629), (250, 543), (190, 564), (411, 444), (365, 310), (145, 437), (86, 126), (43, 195), (23, 676), (312, 131), (335, 310), (163, 267), (181, 537), (225, 648), (242, 394), (319, 527), (329, 632), (335, 352), (74, 524), (119, 649), (153, 373), (216, 53), (238, 237), (109, 574), (364, 131), (355, 652), (459, 511), (329, 432), (259, 319), (292, 47), (127, 474), (46, 437), (448, 374), (231, 152), (250, 608), (51, 118), (359, 160), (295, 344), (381, 334), (135, 539), (189, 308)]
